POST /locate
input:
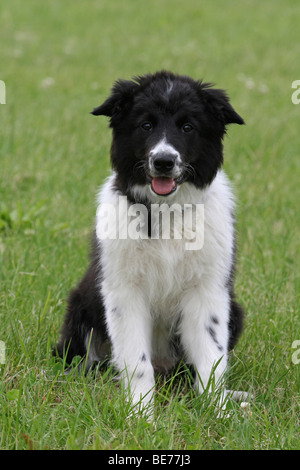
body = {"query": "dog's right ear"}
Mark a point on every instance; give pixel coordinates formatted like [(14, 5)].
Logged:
[(119, 101)]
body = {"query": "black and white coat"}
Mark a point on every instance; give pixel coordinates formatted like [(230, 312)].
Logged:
[(152, 301)]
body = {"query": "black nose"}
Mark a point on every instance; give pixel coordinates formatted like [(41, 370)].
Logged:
[(164, 163)]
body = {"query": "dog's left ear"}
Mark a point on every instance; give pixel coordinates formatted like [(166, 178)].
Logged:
[(218, 102), (121, 97)]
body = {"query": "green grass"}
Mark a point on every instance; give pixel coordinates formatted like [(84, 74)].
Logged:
[(58, 61)]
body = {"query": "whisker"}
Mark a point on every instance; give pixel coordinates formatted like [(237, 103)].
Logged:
[(140, 165), (189, 169)]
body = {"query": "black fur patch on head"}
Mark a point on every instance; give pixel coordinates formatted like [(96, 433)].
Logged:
[(167, 101)]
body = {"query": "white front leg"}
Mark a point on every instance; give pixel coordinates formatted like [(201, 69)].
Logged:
[(204, 332), (130, 328)]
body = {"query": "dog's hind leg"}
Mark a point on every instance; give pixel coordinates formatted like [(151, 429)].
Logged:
[(84, 331)]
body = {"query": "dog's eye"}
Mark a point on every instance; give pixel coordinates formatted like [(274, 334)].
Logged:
[(147, 126), (186, 128)]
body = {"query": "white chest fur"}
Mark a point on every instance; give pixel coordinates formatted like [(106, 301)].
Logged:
[(163, 268), (155, 288)]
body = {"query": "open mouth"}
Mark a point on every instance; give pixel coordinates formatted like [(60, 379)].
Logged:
[(163, 186)]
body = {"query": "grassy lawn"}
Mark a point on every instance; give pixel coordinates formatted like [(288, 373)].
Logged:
[(58, 60)]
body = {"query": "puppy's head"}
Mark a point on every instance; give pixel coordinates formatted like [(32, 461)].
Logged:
[(167, 130)]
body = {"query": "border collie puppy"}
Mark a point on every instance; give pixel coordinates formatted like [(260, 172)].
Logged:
[(152, 299)]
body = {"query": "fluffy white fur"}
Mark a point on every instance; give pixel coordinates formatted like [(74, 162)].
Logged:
[(151, 287)]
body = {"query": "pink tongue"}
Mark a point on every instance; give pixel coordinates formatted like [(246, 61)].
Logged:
[(163, 185)]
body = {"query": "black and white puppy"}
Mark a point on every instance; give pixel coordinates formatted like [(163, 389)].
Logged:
[(155, 299)]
